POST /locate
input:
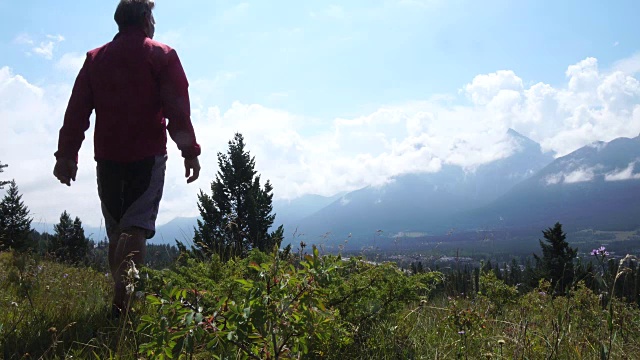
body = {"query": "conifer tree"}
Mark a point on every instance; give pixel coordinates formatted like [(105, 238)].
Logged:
[(556, 263), (15, 223), (68, 242), (236, 217), (3, 183)]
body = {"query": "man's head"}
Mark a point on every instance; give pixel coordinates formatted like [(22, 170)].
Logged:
[(137, 13)]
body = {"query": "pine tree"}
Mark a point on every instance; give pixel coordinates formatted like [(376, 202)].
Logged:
[(556, 263), (3, 183), (15, 223), (236, 217), (68, 242)]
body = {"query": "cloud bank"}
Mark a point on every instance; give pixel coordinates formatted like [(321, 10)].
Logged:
[(301, 154)]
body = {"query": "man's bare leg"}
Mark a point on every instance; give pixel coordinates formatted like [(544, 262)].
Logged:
[(131, 246), (113, 245)]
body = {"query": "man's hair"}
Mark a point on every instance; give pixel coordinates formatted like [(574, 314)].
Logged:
[(132, 12)]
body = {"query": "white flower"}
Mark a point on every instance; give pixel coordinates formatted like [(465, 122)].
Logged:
[(130, 288), (133, 273)]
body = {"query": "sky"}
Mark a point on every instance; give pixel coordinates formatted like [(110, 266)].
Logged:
[(331, 96)]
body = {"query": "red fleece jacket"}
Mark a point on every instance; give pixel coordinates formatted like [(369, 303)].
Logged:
[(133, 83)]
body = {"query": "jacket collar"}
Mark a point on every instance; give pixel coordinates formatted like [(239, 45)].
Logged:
[(130, 31)]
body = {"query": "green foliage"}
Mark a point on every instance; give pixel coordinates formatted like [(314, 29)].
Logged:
[(273, 311), (557, 259), (68, 243), (236, 217), (3, 182), (235, 309), (160, 256), (496, 291), (15, 223)]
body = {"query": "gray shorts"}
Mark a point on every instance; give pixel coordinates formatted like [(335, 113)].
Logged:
[(130, 193)]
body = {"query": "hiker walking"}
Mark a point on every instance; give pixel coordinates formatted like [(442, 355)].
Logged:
[(138, 90)]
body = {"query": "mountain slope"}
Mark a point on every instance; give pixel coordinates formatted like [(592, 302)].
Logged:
[(596, 186), (426, 202)]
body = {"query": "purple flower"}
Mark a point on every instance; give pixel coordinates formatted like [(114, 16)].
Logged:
[(461, 332), (66, 275), (601, 251)]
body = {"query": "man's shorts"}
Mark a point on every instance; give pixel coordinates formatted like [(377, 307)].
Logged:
[(130, 193)]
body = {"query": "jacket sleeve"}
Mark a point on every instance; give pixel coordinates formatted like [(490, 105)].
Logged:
[(174, 89), (76, 118)]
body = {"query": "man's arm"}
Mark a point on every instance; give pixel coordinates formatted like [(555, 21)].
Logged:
[(76, 122), (174, 89)]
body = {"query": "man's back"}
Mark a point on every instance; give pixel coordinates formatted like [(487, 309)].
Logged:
[(133, 83)]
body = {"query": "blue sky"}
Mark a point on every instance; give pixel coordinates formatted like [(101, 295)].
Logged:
[(333, 96)]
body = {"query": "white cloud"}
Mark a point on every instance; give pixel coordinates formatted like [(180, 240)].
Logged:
[(554, 179), (630, 65), (303, 155), (56, 38), (583, 75), (44, 48), (23, 39), (485, 88), (70, 63), (580, 175), (625, 174), (31, 117), (576, 176)]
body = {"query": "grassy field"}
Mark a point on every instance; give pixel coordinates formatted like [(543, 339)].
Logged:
[(316, 307)]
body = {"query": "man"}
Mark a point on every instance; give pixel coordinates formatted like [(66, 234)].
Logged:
[(133, 83)]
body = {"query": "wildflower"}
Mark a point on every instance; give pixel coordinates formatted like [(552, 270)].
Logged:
[(65, 276), (461, 332), (133, 273), (601, 251), (130, 289)]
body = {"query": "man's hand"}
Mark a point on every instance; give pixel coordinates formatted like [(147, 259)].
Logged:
[(65, 171), (189, 166)]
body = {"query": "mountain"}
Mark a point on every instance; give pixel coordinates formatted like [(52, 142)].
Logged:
[(288, 212), (180, 228), (596, 186), (94, 233), (426, 202)]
